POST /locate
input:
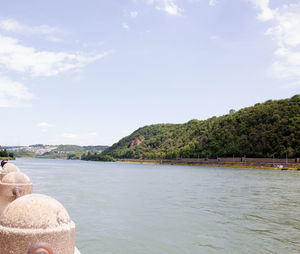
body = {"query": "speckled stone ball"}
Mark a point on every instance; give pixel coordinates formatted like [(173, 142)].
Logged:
[(33, 219), (9, 167), (16, 178), (13, 185)]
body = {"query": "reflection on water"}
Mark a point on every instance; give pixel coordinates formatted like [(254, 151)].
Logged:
[(160, 209)]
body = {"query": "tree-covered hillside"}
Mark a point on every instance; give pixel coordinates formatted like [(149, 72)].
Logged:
[(263, 130)]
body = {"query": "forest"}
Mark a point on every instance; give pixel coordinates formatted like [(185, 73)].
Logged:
[(266, 129)]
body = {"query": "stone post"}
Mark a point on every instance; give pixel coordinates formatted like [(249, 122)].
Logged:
[(12, 186), (36, 224), (8, 168)]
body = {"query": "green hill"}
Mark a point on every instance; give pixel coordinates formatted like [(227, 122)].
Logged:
[(262, 130)]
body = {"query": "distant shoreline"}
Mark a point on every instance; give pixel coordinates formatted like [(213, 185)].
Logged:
[(183, 162), (187, 162), (7, 158)]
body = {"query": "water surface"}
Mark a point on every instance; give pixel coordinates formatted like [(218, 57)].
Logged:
[(160, 209)]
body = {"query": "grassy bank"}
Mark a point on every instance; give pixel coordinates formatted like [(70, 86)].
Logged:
[(288, 166), (7, 158)]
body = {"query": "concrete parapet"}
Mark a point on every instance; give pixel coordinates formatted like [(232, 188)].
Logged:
[(31, 223), (35, 224)]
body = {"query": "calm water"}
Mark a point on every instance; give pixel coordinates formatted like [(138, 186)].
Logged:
[(155, 209)]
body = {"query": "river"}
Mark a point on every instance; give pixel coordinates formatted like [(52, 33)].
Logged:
[(124, 208)]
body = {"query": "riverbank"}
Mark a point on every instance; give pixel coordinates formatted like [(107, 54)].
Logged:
[(7, 158), (195, 162), (201, 163)]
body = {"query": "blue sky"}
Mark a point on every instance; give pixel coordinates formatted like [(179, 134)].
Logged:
[(91, 72)]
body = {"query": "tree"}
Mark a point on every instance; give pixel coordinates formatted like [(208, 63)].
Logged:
[(232, 111)]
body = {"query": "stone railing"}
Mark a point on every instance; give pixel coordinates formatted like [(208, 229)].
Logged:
[(31, 223)]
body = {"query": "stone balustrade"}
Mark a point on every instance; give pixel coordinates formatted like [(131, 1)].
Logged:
[(31, 223)]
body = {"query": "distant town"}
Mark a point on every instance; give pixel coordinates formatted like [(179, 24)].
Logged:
[(53, 151), (37, 149)]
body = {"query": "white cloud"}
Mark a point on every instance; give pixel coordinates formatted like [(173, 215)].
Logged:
[(287, 30), (212, 2), (92, 134), (13, 94), (294, 5), (125, 26), (213, 37), (81, 138), (45, 125), (169, 6), (16, 57), (134, 14), (295, 84), (266, 13), (286, 33), (13, 26), (69, 135)]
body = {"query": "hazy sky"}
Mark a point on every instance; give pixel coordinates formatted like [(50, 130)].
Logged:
[(91, 72)]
